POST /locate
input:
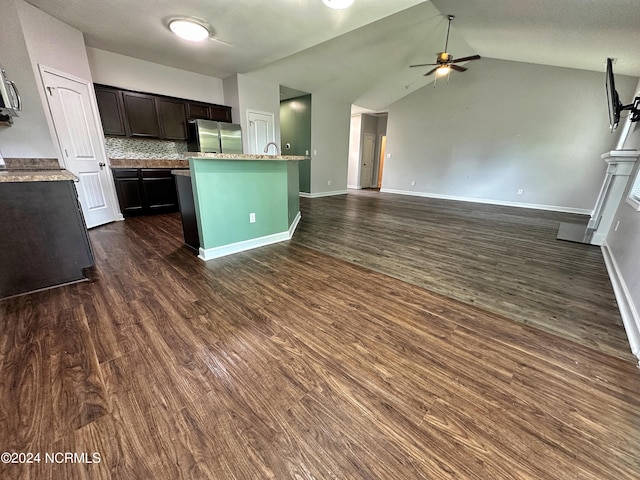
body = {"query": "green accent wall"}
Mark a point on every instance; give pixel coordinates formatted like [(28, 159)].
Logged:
[(293, 189), (295, 129), (226, 191)]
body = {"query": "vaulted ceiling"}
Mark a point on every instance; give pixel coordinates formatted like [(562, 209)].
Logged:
[(361, 54)]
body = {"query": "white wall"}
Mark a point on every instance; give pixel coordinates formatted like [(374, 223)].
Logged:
[(232, 97), (329, 144), (623, 245), (56, 45), (503, 126), (29, 136), (261, 96), (134, 74)]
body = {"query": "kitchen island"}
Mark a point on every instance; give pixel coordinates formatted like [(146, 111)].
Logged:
[(243, 201)]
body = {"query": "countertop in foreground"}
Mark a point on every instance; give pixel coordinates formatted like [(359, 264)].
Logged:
[(14, 176)]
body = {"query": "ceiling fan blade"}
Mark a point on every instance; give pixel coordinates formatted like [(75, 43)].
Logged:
[(422, 65), (430, 72), (466, 59), (458, 68)]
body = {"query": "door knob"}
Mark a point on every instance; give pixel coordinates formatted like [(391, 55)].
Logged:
[(102, 165)]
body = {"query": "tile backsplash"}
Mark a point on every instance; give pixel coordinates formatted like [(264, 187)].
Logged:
[(135, 148)]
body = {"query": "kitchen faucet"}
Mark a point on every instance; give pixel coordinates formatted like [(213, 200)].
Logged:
[(266, 149)]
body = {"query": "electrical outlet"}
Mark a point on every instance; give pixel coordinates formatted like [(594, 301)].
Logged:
[(315, 152), (328, 182), (388, 155), (252, 217), (306, 152), (413, 184), (519, 191)]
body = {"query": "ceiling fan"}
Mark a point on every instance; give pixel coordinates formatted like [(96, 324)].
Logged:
[(444, 61)]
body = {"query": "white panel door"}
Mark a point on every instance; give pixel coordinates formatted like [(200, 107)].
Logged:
[(368, 151), (261, 131), (80, 142)]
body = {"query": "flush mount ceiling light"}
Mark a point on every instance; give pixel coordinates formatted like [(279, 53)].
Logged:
[(187, 29), (338, 4)]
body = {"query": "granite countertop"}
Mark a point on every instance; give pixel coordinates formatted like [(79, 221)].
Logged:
[(13, 176), (34, 170), (245, 156), (148, 163)]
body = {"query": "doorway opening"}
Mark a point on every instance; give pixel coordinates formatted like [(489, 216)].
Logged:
[(382, 142), (367, 149), (295, 130)]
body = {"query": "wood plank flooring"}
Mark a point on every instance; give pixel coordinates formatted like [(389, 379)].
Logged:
[(503, 259), (289, 362)]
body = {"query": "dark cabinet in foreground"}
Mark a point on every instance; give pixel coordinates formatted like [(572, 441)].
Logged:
[(145, 191), (44, 241)]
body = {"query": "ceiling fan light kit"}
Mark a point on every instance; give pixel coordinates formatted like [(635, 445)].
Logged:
[(444, 61)]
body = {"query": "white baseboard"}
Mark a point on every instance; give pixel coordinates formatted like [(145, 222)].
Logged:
[(598, 239), (223, 251), (628, 310), (322, 194), (535, 206), (354, 187), (294, 225)]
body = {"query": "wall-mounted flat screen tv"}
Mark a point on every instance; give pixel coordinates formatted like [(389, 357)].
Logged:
[(614, 103)]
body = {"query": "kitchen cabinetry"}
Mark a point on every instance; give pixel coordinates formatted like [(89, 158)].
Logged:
[(47, 243), (145, 191), (141, 114), (172, 117), (197, 110), (111, 110), (187, 210), (129, 192), (144, 115)]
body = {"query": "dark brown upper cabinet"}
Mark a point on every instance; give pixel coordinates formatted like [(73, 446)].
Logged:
[(173, 118), (111, 110), (196, 110), (220, 113), (141, 114), (144, 115), (207, 111)]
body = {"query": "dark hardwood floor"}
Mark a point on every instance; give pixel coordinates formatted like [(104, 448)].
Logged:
[(502, 259), (301, 360)]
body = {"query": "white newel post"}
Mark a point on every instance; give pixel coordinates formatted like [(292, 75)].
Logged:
[(619, 166)]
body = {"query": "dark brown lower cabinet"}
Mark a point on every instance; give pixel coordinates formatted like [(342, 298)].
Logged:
[(129, 191), (145, 191), (188, 212), (44, 240)]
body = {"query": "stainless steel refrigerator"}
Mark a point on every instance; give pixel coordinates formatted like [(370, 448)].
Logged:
[(214, 137)]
